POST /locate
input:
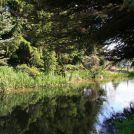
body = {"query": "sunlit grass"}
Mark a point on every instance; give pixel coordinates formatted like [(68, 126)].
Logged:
[(13, 79), (16, 79)]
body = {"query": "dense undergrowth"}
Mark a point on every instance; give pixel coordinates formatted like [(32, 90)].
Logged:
[(11, 78), (15, 79)]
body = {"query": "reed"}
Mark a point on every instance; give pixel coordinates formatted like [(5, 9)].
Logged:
[(14, 79), (11, 78)]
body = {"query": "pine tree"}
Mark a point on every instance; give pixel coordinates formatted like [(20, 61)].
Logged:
[(7, 36)]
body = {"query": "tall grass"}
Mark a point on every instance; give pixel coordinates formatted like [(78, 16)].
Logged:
[(13, 79), (107, 75)]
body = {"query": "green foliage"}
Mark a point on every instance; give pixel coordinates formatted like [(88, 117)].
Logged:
[(125, 126), (27, 54), (94, 72), (73, 56), (35, 59), (102, 61), (32, 71), (50, 61), (73, 67), (24, 51), (64, 26), (91, 61), (20, 77), (131, 73), (11, 79), (7, 23), (8, 36), (56, 35)]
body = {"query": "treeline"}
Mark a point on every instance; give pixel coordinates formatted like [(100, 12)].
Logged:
[(52, 34)]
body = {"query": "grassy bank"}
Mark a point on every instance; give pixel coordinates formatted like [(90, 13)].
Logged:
[(11, 78), (13, 99), (124, 123), (125, 126), (14, 79)]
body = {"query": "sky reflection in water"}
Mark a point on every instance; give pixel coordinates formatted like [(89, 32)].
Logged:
[(117, 97)]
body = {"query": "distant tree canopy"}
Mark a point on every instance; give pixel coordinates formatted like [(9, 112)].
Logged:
[(72, 28)]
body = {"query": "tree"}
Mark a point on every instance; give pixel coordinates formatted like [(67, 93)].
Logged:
[(77, 24), (8, 39), (50, 61)]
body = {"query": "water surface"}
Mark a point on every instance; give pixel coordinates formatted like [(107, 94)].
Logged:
[(80, 112), (118, 95)]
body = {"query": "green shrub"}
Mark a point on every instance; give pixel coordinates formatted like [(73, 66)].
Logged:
[(27, 54), (73, 67), (50, 61), (35, 59), (91, 61), (32, 71), (94, 72)]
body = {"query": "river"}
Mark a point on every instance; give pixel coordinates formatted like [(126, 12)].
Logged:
[(81, 112)]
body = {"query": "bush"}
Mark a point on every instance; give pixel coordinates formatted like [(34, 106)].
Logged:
[(35, 59), (31, 71), (50, 61), (91, 61), (72, 57), (26, 54), (94, 72), (73, 67)]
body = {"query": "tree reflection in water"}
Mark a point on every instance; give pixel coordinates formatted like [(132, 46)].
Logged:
[(73, 114)]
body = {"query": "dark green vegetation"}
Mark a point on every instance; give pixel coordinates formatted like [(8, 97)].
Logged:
[(47, 43), (123, 122), (125, 126), (49, 35), (28, 79)]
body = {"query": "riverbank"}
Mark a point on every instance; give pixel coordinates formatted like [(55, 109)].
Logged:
[(29, 96), (125, 126), (12, 79), (122, 123)]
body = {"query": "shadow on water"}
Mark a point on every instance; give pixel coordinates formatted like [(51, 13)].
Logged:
[(60, 114)]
